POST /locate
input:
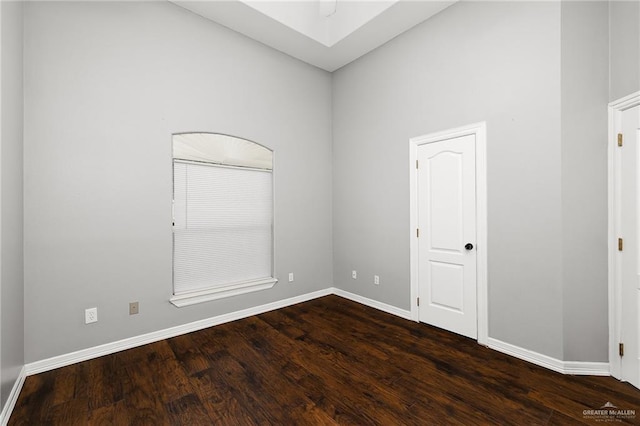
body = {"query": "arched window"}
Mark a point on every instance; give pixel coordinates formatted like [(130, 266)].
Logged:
[(223, 217)]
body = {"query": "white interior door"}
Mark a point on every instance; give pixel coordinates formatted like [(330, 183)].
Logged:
[(629, 255), (446, 186)]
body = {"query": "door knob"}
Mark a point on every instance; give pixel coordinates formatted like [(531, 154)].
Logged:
[(468, 246)]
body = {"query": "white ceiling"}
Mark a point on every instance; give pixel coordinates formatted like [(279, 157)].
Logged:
[(326, 33)]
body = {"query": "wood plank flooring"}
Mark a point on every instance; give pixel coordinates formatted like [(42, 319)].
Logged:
[(324, 362)]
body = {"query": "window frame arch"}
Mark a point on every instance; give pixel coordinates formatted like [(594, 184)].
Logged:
[(208, 155)]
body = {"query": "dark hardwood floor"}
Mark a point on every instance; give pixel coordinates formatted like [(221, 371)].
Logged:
[(327, 361)]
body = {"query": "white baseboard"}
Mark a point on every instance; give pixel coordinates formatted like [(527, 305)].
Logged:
[(564, 367), (13, 398), (132, 342), (402, 313), (526, 355), (582, 368)]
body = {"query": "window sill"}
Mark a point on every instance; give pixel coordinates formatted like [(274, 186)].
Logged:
[(201, 296)]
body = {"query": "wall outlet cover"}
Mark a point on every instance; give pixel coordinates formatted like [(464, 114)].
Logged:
[(90, 315)]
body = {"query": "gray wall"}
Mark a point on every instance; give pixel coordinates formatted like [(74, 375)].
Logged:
[(106, 84), (585, 86), (624, 20), (11, 211), (475, 61)]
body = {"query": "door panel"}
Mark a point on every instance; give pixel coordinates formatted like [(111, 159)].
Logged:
[(447, 221), (447, 290), (443, 204), (630, 263)]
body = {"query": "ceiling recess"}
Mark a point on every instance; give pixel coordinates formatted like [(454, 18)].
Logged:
[(326, 33)]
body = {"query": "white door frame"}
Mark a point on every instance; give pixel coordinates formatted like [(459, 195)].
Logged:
[(480, 132), (615, 286)]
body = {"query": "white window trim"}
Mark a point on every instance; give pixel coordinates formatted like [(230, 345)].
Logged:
[(238, 288), (186, 299)]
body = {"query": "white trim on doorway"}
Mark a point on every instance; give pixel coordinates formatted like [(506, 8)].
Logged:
[(614, 195), (480, 132)]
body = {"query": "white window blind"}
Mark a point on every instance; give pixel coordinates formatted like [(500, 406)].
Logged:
[(223, 219)]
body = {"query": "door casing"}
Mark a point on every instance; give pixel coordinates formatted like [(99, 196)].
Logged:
[(480, 131), (614, 195)]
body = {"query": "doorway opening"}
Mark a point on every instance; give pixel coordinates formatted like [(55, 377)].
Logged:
[(624, 240), (445, 168)]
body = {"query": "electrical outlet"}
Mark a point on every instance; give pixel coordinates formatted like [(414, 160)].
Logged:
[(90, 315), (376, 280), (133, 308), (290, 277), (354, 274)]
